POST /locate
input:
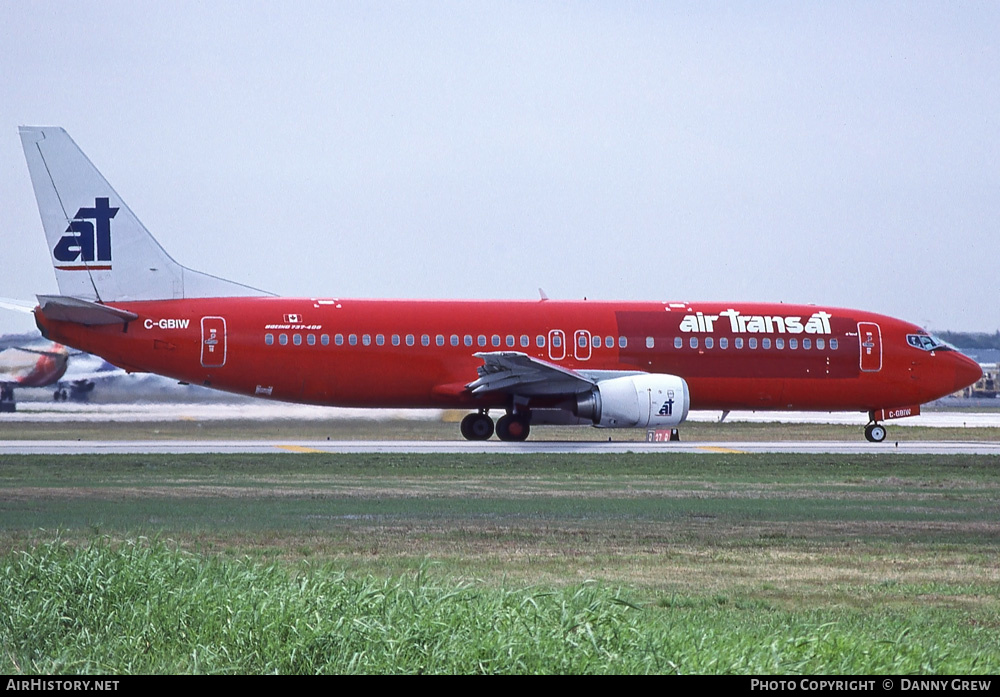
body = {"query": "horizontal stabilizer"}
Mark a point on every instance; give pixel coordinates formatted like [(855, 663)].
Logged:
[(62, 308), (17, 305)]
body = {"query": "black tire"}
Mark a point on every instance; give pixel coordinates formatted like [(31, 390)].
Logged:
[(477, 427), (875, 433), (513, 428)]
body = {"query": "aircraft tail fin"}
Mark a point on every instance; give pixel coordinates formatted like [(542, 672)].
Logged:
[(100, 250)]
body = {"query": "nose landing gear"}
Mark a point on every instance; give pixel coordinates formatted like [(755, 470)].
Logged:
[(875, 433)]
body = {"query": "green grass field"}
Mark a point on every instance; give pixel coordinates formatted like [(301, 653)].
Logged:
[(664, 563)]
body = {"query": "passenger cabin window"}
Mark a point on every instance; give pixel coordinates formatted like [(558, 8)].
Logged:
[(454, 340), (311, 339), (709, 342), (793, 344), (525, 341), (807, 344), (439, 340), (395, 339), (352, 339), (833, 344), (820, 344), (511, 341), (425, 340), (622, 342), (693, 342), (269, 339), (765, 343), (752, 342), (410, 340), (738, 342), (283, 339), (325, 339), (379, 340), (468, 340), (723, 343), (339, 339), (481, 340), (366, 339), (678, 342), (540, 341)]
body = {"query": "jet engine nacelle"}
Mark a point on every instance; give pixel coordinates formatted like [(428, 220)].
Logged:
[(636, 401)]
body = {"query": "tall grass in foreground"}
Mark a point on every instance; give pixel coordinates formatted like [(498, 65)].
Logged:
[(146, 608)]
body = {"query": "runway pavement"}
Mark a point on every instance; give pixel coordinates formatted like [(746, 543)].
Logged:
[(257, 411), (57, 447), (261, 410)]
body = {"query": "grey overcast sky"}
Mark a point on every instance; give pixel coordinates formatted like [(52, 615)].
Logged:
[(836, 153)]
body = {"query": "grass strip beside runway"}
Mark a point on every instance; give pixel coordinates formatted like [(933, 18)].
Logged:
[(499, 563)]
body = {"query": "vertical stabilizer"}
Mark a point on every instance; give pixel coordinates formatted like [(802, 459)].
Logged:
[(100, 251)]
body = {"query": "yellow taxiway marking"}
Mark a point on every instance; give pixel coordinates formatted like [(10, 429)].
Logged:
[(298, 449), (713, 449)]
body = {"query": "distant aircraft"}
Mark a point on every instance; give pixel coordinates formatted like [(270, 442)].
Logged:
[(609, 364), (24, 366)]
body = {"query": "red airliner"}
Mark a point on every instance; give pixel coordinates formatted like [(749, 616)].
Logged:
[(608, 364), (21, 366)]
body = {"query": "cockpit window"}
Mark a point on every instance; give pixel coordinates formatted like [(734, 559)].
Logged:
[(927, 342)]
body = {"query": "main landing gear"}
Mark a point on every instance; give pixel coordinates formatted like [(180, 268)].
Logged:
[(477, 426), (7, 403), (510, 427), (875, 433)]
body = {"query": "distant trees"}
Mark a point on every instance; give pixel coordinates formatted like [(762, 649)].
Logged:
[(971, 340)]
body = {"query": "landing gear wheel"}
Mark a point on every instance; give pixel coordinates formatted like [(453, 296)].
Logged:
[(875, 433), (513, 428), (477, 427)]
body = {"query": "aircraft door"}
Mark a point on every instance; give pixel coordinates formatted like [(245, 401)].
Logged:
[(870, 339), (557, 344), (213, 342)]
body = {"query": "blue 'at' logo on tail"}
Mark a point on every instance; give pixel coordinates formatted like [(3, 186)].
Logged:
[(87, 241)]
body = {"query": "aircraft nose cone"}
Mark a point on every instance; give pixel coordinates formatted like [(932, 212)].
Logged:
[(967, 372)]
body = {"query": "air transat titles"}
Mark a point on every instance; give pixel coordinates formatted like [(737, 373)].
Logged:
[(817, 323)]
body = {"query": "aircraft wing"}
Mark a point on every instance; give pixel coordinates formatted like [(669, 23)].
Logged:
[(57, 353), (518, 373), (93, 375)]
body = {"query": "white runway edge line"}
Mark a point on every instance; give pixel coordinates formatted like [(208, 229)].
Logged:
[(495, 447)]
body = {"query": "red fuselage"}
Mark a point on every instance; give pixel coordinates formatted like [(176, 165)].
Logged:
[(397, 353)]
